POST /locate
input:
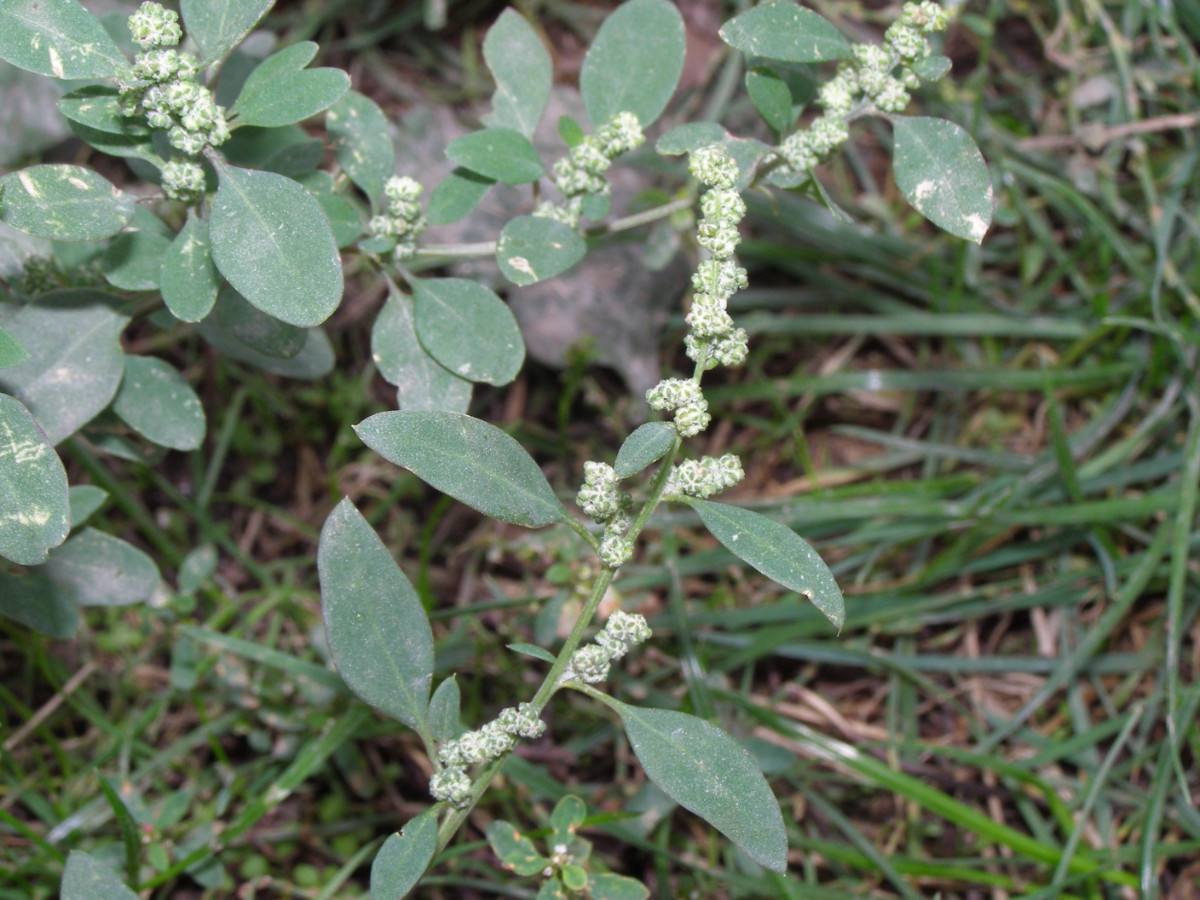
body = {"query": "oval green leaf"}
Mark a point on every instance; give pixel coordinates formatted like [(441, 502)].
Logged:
[(647, 444), (533, 248), (458, 194), (85, 499), (217, 26), (97, 569), (515, 851), (498, 153), (607, 886), (12, 352), (189, 281), (35, 510), (358, 130), (776, 551), (133, 260), (58, 39), (522, 68), (156, 402), (38, 603), (532, 650), (254, 328), (378, 632), (97, 107), (315, 360), (280, 91), (404, 857), (86, 878), (941, 172), (468, 329), (471, 460), (771, 96), (63, 203), (635, 62), (75, 359), (421, 381), (271, 240), (445, 720), (706, 771), (786, 32)]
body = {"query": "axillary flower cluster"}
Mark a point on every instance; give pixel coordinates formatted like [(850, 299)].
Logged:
[(161, 86), (877, 78), (580, 174), (401, 219)]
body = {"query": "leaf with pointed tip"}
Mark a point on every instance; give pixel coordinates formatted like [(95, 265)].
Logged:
[(468, 329), (358, 130), (35, 512), (706, 771), (458, 194), (254, 328), (38, 603), (775, 550), (58, 39), (75, 359), (378, 632), (315, 359), (786, 32), (471, 460), (156, 402), (98, 107), (189, 281), (445, 720), (534, 248), (941, 172), (522, 68), (280, 91), (272, 242), (217, 26), (404, 857), (12, 352), (568, 814), (499, 153), (771, 97), (85, 499), (532, 650), (421, 381), (647, 444), (634, 63), (63, 203), (97, 569), (86, 878)]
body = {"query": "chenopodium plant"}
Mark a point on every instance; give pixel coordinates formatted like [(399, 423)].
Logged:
[(240, 237)]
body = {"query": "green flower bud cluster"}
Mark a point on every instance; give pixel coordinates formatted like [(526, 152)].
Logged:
[(600, 499), (684, 397), (402, 219), (161, 86), (703, 477), (621, 633), (880, 75), (580, 173), (494, 739)]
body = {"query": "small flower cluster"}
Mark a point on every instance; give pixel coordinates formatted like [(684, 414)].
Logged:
[(402, 219), (494, 739), (703, 477), (580, 174), (871, 74), (600, 499), (161, 86), (684, 397), (621, 632)]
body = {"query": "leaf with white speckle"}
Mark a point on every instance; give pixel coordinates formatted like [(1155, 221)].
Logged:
[(156, 402), (63, 203), (534, 248), (468, 329), (421, 381), (358, 130), (97, 569), (787, 32), (522, 69), (58, 39), (35, 511), (941, 172)]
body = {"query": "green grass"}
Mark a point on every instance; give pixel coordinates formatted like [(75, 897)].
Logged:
[(997, 449)]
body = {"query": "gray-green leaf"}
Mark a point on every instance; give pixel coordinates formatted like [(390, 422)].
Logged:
[(12, 352), (942, 174), (404, 857), (97, 569), (57, 38), (75, 359), (97, 107), (515, 851), (421, 381), (445, 720), (635, 62), (254, 328), (315, 359), (132, 261), (358, 131), (280, 91), (271, 240), (533, 248), (607, 886), (38, 603), (85, 499), (647, 444), (776, 551), (468, 329), (522, 68), (706, 771), (189, 281), (786, 32), (217, 26), (35, 512), (469, 459), (63, 203), (499, 153), (156, 402), (378, 632), (771, 97), (458, 194), (86, 878)]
